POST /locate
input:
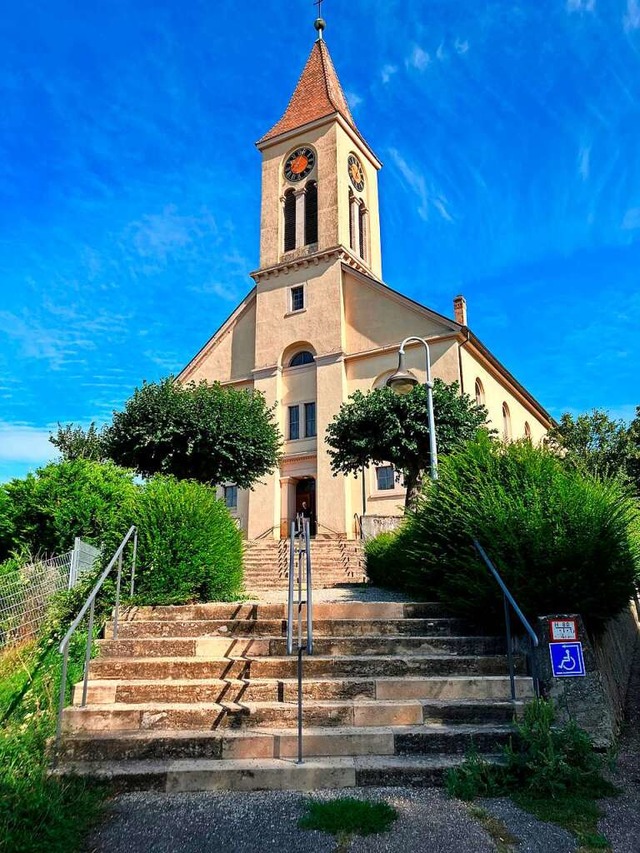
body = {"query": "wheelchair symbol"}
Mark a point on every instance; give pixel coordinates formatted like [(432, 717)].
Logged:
[(568, 662), (566, 659)]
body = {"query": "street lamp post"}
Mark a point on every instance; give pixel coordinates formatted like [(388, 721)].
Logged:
[(402, 382)]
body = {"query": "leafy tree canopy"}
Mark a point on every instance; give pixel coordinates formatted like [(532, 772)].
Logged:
[(201, 432), (74, 442), (598, 444), (382, 426)]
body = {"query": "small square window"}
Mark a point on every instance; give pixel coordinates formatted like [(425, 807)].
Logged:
[(297, 298), (231, 497), (294, 423), (385, 478)]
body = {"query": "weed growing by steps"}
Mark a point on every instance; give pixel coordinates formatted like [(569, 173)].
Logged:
[(551, 771), (38, 812), (347, 816)]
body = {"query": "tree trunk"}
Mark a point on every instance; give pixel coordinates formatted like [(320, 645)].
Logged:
[(413, 482)]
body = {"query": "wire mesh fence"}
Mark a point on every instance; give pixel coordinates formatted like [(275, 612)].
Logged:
[(25, 594)]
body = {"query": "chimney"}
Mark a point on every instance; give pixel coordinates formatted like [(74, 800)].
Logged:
[(460, 310)]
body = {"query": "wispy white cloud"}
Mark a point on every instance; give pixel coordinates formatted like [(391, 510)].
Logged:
[(387, 72), (631, 220), (581, 5), (23, 443), (417, 182), (584, 162), (418, 59), (461, 47), (354, 99), (631, 20)]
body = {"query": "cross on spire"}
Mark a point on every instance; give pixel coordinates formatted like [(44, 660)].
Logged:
[(319, 22)]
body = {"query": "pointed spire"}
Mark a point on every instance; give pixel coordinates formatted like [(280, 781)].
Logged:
[(318, 93)]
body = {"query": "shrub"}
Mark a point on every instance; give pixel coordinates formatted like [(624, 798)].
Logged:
[(385, 560), (63, 500), (545, 760), (189, 546), (561, 539)]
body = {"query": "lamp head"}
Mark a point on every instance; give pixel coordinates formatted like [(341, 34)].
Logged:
[(401, 382)]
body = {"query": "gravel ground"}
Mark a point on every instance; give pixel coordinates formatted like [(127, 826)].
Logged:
[(621, 823), (264, 822), (534, 835)]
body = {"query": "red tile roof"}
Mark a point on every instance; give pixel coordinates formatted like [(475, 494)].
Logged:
[(318, 94)]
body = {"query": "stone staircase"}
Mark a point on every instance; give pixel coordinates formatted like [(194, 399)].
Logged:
[(335, 561), (203, 697)]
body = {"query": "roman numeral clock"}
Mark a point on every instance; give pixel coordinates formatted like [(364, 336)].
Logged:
[(299, 164)]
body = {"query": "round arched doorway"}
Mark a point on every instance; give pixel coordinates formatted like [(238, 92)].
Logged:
[(306, 502)]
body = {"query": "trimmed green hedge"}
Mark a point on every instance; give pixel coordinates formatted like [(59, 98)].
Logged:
[(189, 547), (563, 541)]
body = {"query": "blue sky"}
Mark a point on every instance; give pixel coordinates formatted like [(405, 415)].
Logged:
[(129, 184)]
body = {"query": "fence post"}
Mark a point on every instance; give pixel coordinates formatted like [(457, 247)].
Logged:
[(73, 568)]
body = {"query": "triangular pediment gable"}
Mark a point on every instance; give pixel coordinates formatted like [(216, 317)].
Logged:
[(230, 353), (377, 316)]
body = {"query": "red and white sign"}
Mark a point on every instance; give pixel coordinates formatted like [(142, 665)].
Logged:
[(562, 630)]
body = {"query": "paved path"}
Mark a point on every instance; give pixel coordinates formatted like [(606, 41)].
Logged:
[(265, 822)]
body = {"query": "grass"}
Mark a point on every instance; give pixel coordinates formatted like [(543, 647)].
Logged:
[(578, 814), (348, 816), (38, 812), (502, 838)]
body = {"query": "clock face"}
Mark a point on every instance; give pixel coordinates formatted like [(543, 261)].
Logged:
[(356, 172), (299, 164)]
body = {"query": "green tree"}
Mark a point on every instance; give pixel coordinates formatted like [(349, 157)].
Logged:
[(74, 442), (201, 432), (382, 426), (596, 443)]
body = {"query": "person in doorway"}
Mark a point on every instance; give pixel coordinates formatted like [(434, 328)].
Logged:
[(307, 512)]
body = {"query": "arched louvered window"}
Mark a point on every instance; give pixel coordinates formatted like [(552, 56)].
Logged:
[(311, 213), (289, 220), (352, 230), (362, 227), (479, 392), (527, 431), (506, 422), (300, 358)]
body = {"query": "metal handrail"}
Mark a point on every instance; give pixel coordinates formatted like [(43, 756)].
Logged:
[(299, 552), (90, 605), (507, 599)]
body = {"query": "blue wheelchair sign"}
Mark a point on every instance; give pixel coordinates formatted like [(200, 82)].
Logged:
[(566, 659)]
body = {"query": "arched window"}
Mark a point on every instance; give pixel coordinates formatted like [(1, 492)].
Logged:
[(362, 231), (289, 220), (527, 431), (300, 358), (352, 224), (311, 213), (479, 393), (506, 422)]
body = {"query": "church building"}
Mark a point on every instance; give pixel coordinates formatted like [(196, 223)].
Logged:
[(320, 323)]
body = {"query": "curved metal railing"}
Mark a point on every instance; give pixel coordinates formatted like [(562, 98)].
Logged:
[(90, 605), (508, 599)]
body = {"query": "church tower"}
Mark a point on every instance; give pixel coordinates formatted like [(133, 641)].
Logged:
[(319, 215), (319, 176)]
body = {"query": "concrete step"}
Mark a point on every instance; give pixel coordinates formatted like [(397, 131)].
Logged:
[(251, 715), (314, 667), (286, 690), (221, 646), (278, 628), (283, 743), (259, 610), (266, 774)]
